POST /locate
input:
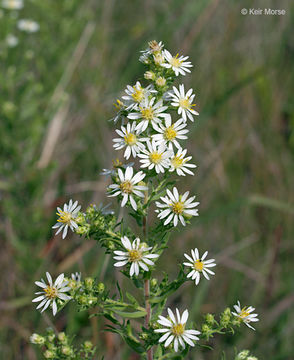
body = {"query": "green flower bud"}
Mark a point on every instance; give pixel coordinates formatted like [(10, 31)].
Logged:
[(206, 331), (225, 319), (89, 283), (252, 358), (66, 350), (92, 300), (82, 299), (49, 354), (91, 210), (153, 282), (62, 337), (88, 345), (209, 318), (227, 312), (82, 230), (80, 219), (111, 245), (100, 288), (144, 336), (37, 339), (242, 355), (51, 337)]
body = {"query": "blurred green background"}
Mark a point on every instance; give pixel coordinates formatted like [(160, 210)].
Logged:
[(58, 86)]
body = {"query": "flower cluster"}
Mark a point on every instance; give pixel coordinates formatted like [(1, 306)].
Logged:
[(59, 346), (156, 124), (153, 126)]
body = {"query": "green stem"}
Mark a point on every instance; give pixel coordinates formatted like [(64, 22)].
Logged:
[(147, 282)]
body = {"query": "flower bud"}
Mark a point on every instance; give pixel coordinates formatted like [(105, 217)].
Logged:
[(49, 354), (66, 350), (80, 219), (153, 282), (90, 210), (82, 230), (62, 337), (225, 319), (82, 299), (144, 336), (37, 339), (209, 318), (206, 331), (89, 283), (161, 81), (242, 355), (92, 300), (51, 337), (110, 245), (88, 345), (158, 58), (100, 288), (149, 75)]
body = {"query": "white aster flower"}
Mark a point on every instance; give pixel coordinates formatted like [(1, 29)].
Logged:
[(127, 186), (12, 4), (137, 255), (178, 64), (174, 330), (28, 26), (135, 94), (51, 292), (67, 217), (245, 314), (149, 112), (169, 133), (175, 207), (155, 156), (199, 265), (11, 40), (180, 164), (129, 139), (184, 102)]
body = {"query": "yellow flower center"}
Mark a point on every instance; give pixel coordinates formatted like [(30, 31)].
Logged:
[(177, 207), (50, 292), (116, 163), (244, 313), (170, 133), (126, 187), (147, 113), (185, 103), (198, 265), (135, 255), (177, 161), (119, 104), (130, 139), (64, 217), (155, 157), (174, 61), (138, 94), (178, 329)]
